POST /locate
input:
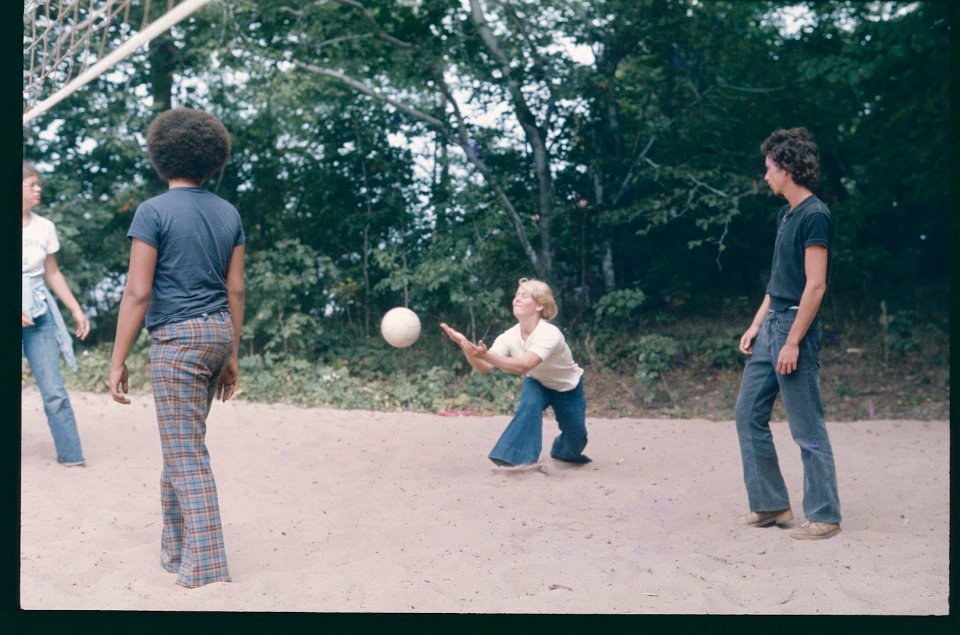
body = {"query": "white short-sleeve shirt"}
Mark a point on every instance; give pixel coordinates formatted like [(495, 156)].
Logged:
[(39, 240), (558, 371)]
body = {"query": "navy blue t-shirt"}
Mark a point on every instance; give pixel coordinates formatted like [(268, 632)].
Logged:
[(810, 223), (195, 233)]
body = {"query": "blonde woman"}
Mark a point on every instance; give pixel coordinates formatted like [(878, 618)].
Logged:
[(535, 349)]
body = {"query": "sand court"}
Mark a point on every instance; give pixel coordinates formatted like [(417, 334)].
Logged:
[(354, 511)]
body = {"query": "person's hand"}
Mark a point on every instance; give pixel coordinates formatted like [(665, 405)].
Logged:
[(83, 324), (787, 360), (228, 380), (118, 382), (746, 340), (25, 319), (453, 334), (469, 349), (458, 338), (479, 350)]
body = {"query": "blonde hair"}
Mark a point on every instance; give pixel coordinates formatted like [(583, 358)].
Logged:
[(29, 170), (542, 295)]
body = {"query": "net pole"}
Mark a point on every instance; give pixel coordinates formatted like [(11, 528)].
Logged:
[(166, 21)]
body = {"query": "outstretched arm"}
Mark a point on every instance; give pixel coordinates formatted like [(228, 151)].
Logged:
[(133, 306), (516, 365), (470, 350)]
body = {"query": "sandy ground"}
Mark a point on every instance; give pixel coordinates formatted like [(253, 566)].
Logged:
[(354, 511)]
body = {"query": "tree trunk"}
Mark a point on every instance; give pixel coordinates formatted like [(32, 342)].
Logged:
[(163, 58)]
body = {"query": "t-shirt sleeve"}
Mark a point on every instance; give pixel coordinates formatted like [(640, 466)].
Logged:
[(500, 346), (52, 242), (818, 230), (240, 238), (146, 225), (545, 343)]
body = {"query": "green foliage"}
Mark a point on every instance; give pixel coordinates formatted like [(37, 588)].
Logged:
[(297, 381), (685, 368), (396, 382), (717, 351), (352, 205), (656, 354), (284, 299), (901, 334), (619, 307), (427, 389)]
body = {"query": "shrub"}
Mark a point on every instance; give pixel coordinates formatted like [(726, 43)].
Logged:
[(656, 354), (619, 307), (717, 351), (284, 297)]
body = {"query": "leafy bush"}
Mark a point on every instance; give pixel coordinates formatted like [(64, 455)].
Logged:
[(717, 351), (285, 297), (901, 333), (404, 385), (494, 393), (619, 307), (655, 355)]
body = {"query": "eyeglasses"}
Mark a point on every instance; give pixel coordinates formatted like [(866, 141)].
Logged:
[(35, 186)]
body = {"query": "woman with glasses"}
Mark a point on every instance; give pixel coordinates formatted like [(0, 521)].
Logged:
[(45, 336)]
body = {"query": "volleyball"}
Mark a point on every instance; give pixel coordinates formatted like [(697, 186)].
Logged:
[(400, 327)]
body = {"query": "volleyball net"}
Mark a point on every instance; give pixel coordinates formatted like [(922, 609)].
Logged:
[(69, 43)]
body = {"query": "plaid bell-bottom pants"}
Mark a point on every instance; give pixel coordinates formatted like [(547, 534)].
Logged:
[(185, 360)]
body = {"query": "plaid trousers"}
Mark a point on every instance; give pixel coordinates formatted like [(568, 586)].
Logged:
[(185, 360)]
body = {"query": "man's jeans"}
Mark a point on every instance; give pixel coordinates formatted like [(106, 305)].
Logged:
[(42, 349), (766, 490), (521, 441)]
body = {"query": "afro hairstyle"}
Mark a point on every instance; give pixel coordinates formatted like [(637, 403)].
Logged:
[(184, 143)]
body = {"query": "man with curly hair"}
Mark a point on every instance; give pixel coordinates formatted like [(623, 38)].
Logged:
[(186, 281), (783, 343)]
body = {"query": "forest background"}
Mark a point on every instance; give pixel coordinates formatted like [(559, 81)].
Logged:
[(430, 153)]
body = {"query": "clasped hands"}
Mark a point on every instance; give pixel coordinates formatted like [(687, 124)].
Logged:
[(476, 351)]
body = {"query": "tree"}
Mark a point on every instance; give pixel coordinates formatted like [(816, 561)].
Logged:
[(431, 153)]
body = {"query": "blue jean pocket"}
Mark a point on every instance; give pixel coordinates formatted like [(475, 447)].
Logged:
[(784, 322)]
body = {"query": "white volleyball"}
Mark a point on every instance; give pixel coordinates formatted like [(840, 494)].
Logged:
[(400, 327)]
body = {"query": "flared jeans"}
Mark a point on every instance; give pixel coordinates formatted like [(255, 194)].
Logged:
[(766, 490), (522, 439), (185, 360)]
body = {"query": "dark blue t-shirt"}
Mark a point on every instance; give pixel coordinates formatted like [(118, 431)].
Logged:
[(810, 223), (195, 233)]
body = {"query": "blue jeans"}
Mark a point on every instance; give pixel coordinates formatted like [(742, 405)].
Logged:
[(766, 490), (521, 440), (42, 349)]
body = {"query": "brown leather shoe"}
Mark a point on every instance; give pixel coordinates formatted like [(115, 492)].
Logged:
[(815, 531), (762, 519)]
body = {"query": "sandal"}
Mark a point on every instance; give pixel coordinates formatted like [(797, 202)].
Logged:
[(815, 531), (762, 519)]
